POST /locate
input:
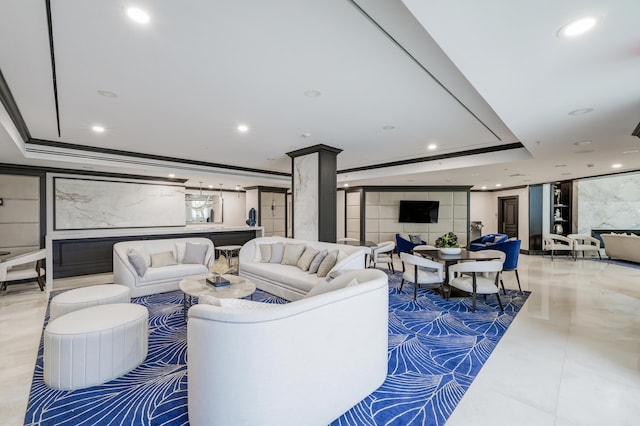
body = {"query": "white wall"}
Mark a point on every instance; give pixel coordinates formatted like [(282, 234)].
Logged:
[(340, 212), (234, 213), (481, 210), (353, 215)]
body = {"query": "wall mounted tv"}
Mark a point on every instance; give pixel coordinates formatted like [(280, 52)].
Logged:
[(418, 211)]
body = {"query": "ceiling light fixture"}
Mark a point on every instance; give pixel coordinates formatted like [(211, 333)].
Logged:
[(171, 175), (388, 127), (210, 186), (582, 143), (432, 146), (616, 166), (484, 187), (312, 93), (138, 15), (243, 128), (581, 111), (306, 135), (632, 151), (498, 185), (107, 94), (578, 27), (98, 129), (346, 185)]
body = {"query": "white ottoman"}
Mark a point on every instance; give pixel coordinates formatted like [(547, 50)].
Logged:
[(85, 297), (94, 345)]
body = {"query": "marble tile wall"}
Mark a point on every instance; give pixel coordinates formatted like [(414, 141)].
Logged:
[(609, 202), (305, 197)]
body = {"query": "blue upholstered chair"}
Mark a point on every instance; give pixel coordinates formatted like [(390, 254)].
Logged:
[(487, 240), (406, 246), (511, 248)]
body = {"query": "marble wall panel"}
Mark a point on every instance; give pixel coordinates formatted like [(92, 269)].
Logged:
[(609, 203), (306, 177), (95, 204)]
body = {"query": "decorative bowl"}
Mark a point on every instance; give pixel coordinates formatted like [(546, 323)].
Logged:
[(450, 250)]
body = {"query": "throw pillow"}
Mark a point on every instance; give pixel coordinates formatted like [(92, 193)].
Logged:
[(163, 259), (137, 261), (322, 287), (277, 251), (220, 266), (195, 253), (307, 257), (328, 263), (245, 304), (292, 253), (415, 239), (313, 267), (352, 283), (265, 249)]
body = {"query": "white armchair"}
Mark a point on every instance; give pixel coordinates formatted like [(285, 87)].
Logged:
[(384, 254), (9, 272), (554, 243), (584, 243), (419, 270)]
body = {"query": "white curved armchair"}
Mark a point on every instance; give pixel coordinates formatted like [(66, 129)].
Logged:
[(8, 273), (554, 243), (584, 243), (418, 270), (384, 254)]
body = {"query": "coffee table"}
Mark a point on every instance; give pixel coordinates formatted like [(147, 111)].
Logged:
[(197, 286)]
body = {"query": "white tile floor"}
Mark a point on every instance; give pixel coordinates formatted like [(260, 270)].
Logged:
[(571, 357)]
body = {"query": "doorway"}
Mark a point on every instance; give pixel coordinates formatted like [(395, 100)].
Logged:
[(508, 216)]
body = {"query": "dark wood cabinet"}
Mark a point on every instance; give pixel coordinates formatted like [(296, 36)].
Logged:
[(561, 201)]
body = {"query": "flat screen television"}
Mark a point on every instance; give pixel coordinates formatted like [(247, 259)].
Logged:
[(418, 211)]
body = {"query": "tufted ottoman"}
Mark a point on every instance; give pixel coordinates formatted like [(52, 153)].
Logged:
[(91, 346), (85, 297)]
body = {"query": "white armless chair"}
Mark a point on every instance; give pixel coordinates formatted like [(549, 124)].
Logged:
[(384, 254), (419, 271), (10, 269), (554, 243), (476, 283)]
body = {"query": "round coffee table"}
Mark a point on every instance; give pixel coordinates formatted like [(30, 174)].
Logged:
[(197, 286)]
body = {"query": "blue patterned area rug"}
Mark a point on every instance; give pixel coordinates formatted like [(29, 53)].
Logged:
[(436, 349)]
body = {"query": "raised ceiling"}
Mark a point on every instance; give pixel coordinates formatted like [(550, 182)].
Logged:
[(487, 78)]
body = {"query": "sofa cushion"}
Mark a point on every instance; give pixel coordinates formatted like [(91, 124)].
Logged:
[(277, 251), (163, 259), (167, 273), (322, 287), (307, 257), (327, 263), (137, 261), (194, 253), (313, 267), (292, 253), (265, 252)]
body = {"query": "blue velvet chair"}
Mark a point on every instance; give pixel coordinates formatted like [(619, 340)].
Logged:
[(487, 240), (511, 249), (406, 246)]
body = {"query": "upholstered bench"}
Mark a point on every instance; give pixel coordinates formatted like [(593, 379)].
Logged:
[(94, 345), (86, 297)]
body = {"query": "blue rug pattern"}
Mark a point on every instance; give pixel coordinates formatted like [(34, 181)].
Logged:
[(436, 348)]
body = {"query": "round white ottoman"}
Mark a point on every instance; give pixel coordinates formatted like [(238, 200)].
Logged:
[(94, 345), (85, 297)]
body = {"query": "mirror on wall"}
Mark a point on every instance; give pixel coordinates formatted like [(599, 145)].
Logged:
[(204, 208)]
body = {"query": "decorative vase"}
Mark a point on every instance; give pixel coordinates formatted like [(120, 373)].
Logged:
[(450, 250)]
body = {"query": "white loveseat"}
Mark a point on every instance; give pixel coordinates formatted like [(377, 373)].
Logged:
[(300, 363), (622, 246), (288, 281), (157, 279)]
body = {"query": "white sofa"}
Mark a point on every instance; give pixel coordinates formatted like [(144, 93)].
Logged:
[(157, 279), (622, 246), (288, 281), (300, 363)]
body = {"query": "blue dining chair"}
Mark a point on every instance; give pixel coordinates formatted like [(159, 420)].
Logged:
[(487, 241), (511, 249), (406, 246)]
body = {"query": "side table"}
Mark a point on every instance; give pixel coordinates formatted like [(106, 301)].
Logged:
[(229, 252)]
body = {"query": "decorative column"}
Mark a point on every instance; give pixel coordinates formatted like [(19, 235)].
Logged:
[(313, 185)]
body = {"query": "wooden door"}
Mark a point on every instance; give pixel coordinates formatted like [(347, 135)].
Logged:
[(508, 216)]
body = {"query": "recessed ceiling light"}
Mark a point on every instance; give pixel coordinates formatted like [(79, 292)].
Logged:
[(579, 26), (388, 127), (171, 175), (631, 151), (98, 129), (210, 186), (584, 151), (243, 128), (484, 187), (582, 143), (138, 15), (498, 185), (432, 146), (566, 174), (306, 135), (616, 166), (107, 94), (581, 111), (312, 93), (561, 165), (346, 185)]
